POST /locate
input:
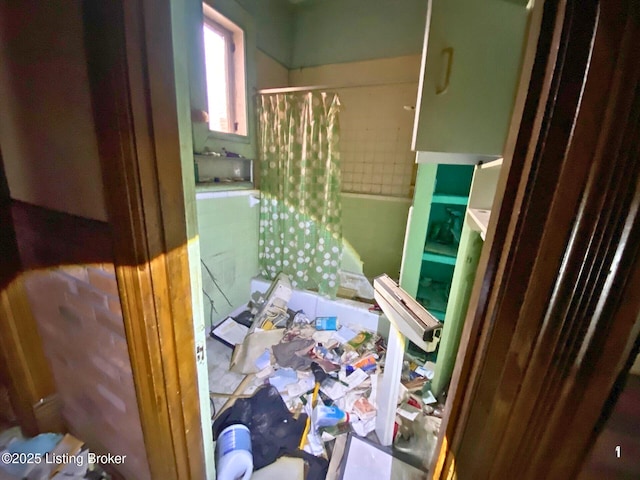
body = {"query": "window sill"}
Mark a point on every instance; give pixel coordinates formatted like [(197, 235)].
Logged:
[(216, 189)]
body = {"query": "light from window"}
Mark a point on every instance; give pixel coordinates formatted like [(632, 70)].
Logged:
[(224, 68)]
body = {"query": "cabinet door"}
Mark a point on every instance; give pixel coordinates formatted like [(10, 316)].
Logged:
[(469, 76), (461, 285), (417, 225)]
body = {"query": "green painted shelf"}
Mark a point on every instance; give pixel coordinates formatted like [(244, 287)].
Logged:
[(434, 298), (449, 199), (440, 253), (438, 258)]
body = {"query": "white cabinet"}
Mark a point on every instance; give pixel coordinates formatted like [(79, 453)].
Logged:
[(481, 196), (483, 190), (469, 77)]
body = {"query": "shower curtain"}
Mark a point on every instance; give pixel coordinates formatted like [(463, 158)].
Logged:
[(300, 211)]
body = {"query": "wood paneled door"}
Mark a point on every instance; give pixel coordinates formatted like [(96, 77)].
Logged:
[(554, 310)]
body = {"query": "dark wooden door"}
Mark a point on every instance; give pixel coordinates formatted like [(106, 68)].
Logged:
[(554, 311)]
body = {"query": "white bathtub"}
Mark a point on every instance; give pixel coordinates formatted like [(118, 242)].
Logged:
[(349, 312)]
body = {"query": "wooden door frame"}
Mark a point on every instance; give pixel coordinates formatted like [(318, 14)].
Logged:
[(553, 314), (23, 365), (132, 73)]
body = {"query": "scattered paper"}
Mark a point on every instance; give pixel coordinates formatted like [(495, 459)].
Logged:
[(323, 336), (231, 331), (265, 372), (429, 398), (363, 428), (300, 387), (364, 409), (428, 370), (409, 412), (264, 360), (373, 397), (403, 393), (282, 378), (346, 403), (334, 390), (356, 378), (327, 437), (344, 335)]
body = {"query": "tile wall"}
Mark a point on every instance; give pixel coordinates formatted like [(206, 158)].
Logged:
[(376, 128), (376, 138), (228, 227)]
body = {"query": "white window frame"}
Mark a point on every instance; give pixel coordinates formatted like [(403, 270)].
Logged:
[(236, 72)]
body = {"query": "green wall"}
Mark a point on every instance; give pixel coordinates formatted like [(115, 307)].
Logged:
[(274, 24), (338, 31), (229, 247), (375, 226)]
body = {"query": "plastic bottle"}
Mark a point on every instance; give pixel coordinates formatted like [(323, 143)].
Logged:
[(324, 416), (234, 459)]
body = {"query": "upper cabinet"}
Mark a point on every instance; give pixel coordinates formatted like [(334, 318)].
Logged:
[(469, 77)]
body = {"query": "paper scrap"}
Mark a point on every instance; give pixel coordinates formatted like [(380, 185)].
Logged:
[(323, 336), (356, 378), (429, 398), (334, 390), (428, 370), (409, 412), (265, 372), (231, 331), (301, 387), (363, 428), (373, 397), (264, 360), (282, 378), (344, 335), (364, 409), (403, 393)]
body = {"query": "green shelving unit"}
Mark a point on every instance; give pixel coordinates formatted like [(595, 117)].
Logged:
[(449, 199), (428, 264)]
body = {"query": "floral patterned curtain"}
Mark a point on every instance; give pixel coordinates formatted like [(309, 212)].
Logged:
[(300, 211)]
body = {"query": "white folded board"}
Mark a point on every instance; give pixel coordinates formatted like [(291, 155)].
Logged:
[(364, 459)]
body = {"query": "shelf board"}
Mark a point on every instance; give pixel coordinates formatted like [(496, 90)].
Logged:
[(440, 253), (449, 199), (438, 258), (433, 298), (497, 163), (479, 220)]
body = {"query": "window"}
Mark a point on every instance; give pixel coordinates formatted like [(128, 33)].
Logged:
[(225, 73)]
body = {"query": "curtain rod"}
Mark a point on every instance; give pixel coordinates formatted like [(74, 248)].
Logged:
[(307, 88), (293, 89)]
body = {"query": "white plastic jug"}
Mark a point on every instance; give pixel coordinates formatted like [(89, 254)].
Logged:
[(233, 454)]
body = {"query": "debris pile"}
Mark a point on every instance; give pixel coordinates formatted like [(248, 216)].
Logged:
[(326, 373), (50, 456)]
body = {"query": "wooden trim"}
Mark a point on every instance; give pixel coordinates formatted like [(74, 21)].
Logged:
[(47, 238), (554, 312), (133, 92), (29, 377), (24, 366)]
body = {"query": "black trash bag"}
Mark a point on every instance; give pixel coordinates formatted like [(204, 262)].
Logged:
[(274, 431)]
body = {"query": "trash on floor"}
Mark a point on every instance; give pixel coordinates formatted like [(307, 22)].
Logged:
[(317, 380), (47, 456), (358, 457)]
